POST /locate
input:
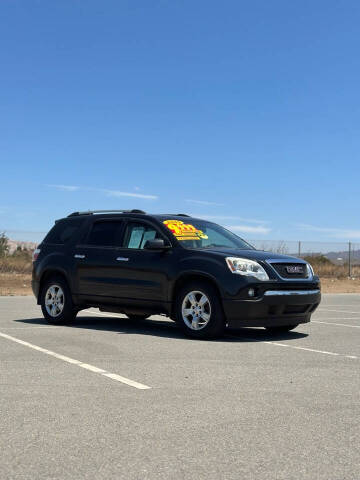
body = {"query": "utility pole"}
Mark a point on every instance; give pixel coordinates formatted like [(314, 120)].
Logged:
[(349, 259), (299, 249)]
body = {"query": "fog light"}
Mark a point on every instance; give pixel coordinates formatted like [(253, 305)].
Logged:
[(251, 292)]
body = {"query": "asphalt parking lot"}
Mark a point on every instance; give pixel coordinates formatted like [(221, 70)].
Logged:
[(112, 399)]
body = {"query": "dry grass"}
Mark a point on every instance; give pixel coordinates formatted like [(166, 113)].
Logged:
[(15, 284), (20, 263), (340, 285), (326, 269), (335, 271), (15, 274)]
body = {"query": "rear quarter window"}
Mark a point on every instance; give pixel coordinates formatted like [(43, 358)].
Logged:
[(63, 231)]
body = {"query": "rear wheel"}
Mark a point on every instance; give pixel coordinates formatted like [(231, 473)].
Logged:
[(199, 311), (56, 302), (281, 329)]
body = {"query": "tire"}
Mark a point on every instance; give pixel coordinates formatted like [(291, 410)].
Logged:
[(205, 317), (137, 317), (56, 298), (281, 329)]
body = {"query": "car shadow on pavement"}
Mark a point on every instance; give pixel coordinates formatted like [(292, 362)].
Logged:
[(164, 328)]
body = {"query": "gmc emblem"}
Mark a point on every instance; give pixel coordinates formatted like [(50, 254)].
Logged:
[(295, 269)]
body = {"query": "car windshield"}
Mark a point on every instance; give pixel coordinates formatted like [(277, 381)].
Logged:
[(202, 234)]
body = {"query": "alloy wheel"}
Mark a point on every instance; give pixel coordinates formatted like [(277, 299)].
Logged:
[(54, 300), (196, 310)]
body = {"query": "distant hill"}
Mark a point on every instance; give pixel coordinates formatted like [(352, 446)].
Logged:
[(344, 255)]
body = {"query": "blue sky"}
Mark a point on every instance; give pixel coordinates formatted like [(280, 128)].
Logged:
[(247, 113)]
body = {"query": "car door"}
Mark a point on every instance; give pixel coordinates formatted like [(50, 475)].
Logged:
[(144, 273), (97, 268)]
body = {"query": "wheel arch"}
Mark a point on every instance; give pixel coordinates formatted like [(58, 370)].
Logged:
[(190, 277), (48, 273)]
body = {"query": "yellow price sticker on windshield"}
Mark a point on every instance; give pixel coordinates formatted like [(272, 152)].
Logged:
[(184, 231)]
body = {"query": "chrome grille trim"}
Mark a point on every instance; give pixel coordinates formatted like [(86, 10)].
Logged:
[(270, 293), (295, 261)]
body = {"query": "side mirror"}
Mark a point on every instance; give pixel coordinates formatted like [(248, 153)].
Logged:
[(156, 244)]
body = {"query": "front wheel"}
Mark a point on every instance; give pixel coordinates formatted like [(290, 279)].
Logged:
[(281, 329), (199, 311), (56, 302)]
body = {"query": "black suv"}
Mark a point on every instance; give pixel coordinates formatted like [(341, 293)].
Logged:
[(194, 271)]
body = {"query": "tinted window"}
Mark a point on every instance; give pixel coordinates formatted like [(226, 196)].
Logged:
[(64, 230), (137, 234), (105, 234)]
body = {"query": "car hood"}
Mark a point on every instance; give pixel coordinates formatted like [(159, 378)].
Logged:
[(257, 255)]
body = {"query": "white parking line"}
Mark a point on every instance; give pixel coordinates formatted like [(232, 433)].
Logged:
[(31, 326), (342, 318), (86, 366), (312, 321), (337, 324), (352, 357), (348, 304), (278, 344), (338, 311)]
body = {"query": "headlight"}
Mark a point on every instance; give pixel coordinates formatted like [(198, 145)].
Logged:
[(243, 266)]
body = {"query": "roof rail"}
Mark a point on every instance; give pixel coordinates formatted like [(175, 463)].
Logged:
[(91, 212), (182, 215)]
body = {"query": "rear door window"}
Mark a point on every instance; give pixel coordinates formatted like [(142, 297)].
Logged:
[(105, 234)]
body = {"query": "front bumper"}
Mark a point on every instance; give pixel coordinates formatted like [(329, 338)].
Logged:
[(275, 307)]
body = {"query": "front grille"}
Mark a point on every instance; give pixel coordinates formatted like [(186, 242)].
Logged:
[(291, 270)]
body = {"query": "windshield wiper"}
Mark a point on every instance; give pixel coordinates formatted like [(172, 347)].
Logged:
[(213, 245)]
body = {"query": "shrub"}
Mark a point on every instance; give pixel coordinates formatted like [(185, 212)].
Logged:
[(19, 262), (4, 245)]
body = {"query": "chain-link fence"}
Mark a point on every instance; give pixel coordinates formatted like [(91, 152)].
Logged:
[(328, 258), (339, 259)]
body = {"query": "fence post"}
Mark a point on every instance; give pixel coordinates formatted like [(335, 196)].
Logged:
[(299, 249), (349, 259)]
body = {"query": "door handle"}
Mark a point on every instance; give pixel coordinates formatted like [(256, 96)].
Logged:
[(122, 259), (79, 256)]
